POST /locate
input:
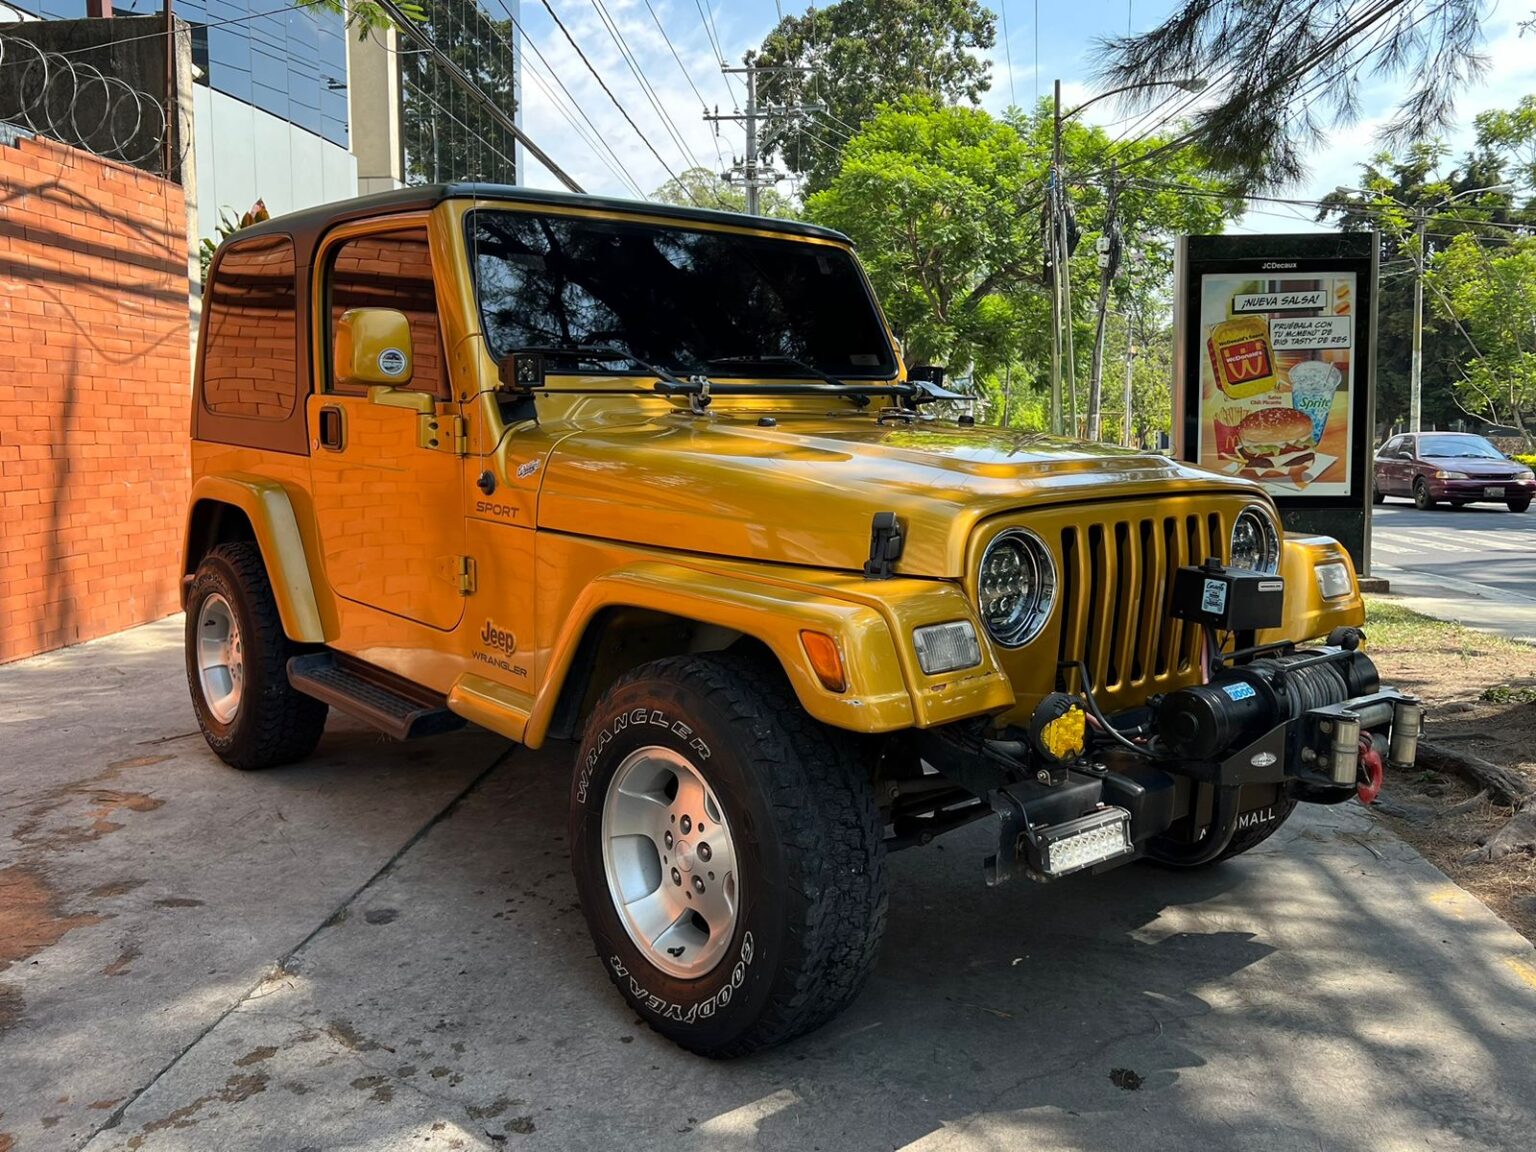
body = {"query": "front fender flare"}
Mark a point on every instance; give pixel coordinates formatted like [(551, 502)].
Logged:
[(270, 512)]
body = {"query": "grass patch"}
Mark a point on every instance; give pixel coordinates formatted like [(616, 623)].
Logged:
[(1391, 627), (1509, 694)]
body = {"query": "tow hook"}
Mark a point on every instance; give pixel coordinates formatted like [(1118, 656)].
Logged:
[(1371, 772)]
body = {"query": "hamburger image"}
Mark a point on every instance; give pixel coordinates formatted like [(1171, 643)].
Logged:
[(1278, 438)]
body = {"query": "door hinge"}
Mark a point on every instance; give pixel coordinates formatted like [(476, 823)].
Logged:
[(444, 434), (464, 574)]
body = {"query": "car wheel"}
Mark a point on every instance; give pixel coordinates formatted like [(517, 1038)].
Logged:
[(1422, 500), (237, 657), (728, 854), (1519, 504)]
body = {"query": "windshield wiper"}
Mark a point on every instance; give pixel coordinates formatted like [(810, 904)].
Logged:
[(808, 369)]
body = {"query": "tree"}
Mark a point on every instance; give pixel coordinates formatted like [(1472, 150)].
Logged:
[(1491, 297), (1285, 70), (701, 188), (945, 206), (942, 202), (448, 135), (1390, 192), (862, 54)]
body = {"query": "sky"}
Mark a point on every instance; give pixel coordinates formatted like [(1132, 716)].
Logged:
[(1061, 41)]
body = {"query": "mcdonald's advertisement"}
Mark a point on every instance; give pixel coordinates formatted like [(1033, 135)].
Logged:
[(1276, 359)]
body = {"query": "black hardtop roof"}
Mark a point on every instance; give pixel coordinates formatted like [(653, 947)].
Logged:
[(310, 222)]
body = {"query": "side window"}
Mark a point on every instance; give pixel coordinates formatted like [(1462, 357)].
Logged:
[(250, 367), (1391, 449), (391, 270), (1407, 449)]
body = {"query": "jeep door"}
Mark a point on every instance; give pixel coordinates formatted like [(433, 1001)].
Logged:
[(387, 475)]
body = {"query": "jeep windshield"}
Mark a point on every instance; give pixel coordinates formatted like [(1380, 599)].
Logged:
[(688, 300)]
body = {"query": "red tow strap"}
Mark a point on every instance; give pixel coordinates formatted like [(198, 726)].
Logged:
[(1371, 772)]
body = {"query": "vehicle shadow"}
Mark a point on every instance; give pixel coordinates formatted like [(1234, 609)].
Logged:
[(1328, 988)]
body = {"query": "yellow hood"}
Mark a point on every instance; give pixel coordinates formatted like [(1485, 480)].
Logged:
[(804, 491)]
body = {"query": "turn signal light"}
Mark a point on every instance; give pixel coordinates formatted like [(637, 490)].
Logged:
[(826, 660)]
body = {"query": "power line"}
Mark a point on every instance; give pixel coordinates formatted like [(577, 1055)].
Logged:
[(1002, 8), (462, 79), (686, 74), (751, 175), (604, 86), (596, 133), (645, 85)]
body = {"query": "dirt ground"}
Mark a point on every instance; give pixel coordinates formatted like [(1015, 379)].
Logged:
[(1481, 694)]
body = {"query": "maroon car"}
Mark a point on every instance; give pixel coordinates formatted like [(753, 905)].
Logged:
[(1456, 467)]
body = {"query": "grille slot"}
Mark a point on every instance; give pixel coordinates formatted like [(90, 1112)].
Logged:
[(1116, 574)]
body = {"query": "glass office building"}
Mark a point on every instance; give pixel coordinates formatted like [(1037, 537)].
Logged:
[(291, 63)]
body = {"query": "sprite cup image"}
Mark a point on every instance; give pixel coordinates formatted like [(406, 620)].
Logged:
[(1313, 384)]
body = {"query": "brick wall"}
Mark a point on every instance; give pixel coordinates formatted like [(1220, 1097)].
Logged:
[(94, 392)]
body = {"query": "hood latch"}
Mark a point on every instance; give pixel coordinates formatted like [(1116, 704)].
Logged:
[(886, 540)]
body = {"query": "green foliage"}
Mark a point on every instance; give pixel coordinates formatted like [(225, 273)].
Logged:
[(228, 225), (1491, 295), (364, 16), (702, 188), (945, 206), (862, 54), (1390, 189), (1283, 71)]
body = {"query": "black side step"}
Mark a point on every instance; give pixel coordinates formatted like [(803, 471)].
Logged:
[(389, 703)]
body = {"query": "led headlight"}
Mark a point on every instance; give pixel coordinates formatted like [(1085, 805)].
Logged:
[(1255, 541), (1016, 587), (1333, 580)]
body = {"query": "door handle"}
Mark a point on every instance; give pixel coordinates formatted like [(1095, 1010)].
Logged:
[(331, 428)]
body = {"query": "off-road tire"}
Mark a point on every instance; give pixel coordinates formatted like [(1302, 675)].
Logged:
[(798, 800), (1422, 500), (274, 724), (1519, 505)]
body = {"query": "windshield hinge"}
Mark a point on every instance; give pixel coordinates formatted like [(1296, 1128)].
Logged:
[(699, 401), (444, 433), (886, 540), (464, 574)]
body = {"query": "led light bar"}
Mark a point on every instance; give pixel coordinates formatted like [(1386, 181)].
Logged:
[(946, 647), (1084, 842)]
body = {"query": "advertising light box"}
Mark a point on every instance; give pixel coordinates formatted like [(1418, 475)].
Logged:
[(1274, 371)]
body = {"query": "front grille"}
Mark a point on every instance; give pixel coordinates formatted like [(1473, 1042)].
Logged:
[(1116, 575)]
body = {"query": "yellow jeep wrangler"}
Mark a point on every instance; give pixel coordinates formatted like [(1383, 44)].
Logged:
[(657, 480)]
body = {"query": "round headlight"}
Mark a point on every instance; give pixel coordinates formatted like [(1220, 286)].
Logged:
[(1255, 541), (1016, 587)]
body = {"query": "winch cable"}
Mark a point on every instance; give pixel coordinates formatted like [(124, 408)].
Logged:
[(1098, 714)]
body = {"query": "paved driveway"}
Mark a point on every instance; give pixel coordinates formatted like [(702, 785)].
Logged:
[(380, 949)]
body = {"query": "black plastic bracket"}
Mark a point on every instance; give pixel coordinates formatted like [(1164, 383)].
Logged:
[(886, 540)]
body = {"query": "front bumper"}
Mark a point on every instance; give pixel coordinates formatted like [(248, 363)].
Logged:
[(1475, 489), (1113, 805)]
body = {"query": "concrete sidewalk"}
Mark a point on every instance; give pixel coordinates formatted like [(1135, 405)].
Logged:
[(380, 950), (1478, 606)]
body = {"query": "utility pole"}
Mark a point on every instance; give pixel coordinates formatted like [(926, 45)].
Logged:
[(1055, 256), (1109, 260), (1416, 365), (1126, 437), (748, 171)]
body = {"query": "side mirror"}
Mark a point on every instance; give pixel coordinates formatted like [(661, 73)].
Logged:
[(928, 374), (373, 347)]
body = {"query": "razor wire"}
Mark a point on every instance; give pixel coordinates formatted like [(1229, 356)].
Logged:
[(76, 103)]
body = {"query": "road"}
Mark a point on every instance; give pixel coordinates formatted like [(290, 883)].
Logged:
[(1475, 564), (379, 949)]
